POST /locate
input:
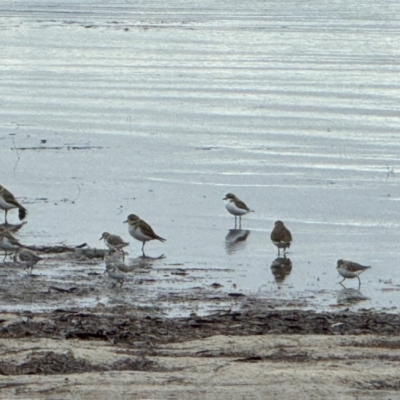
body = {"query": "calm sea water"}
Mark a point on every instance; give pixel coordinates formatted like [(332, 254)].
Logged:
[(291, 105)]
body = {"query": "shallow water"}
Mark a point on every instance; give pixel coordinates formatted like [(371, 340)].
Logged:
[(134, 108)]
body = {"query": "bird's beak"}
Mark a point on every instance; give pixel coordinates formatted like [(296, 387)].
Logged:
[(224, 198), (101, 238), (125, 221)]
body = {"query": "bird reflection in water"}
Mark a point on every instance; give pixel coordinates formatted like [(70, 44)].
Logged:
[(235, 240), (281, 267), (348, 296)]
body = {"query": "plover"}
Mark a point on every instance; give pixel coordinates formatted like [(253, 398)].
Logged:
[(350, 270), (281, 236), (236, 207), (7, 202), (142, 231)]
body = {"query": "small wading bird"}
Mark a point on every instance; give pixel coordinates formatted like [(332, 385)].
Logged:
[(281, 236), (141, 231), (114, 243), (27, 258), (350, 270), (115, 274), (115, 262), (7, 202), (8, 243), (236, 207)]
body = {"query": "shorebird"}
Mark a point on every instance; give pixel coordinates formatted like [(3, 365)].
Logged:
[(115, 274), (350, 270), (7, 202), (27, 258), (142, 231), (281, 236), (114, 242), (112, 261), (9, 243), (236, 207)]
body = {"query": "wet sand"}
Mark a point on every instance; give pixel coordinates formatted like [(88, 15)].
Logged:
[(251, 353), (79, 337)]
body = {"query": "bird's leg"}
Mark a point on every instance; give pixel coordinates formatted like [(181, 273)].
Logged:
[(144, 255), (5, 217), (359, 282), (235, 222), (240, 222)]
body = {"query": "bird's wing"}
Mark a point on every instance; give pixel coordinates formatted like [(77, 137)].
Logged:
[(9, 198), (147, 229), (242, 205), (287, 236)]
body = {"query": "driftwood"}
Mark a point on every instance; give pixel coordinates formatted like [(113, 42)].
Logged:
[(81, 249)]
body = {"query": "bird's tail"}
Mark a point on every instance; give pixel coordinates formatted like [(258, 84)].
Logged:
[(22, 213), (160, 238)]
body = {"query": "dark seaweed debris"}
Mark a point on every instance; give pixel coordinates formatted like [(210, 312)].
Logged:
[(50, 363), (121, 326)]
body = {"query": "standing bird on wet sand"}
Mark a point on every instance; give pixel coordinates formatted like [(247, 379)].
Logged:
[(114, 242), (141, 231), (9, 243), (350, 270), (236, 207), (281, 236), (7, 202), (27, 258), (115, 274)]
